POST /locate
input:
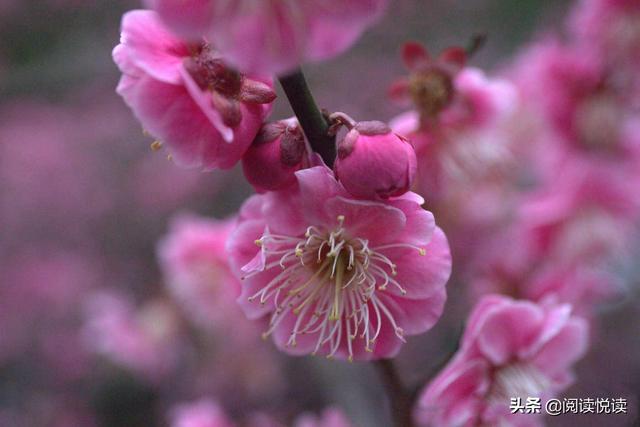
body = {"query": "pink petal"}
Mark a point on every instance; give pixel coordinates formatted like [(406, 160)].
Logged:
[(120, 56), (414, 55), (151, 47), (169, 113), (203, 100), (304, 344), (569, 345), (507, 330), (453, 396), (374, 221), (454, 55), (284, 212), (420, 223), (190, 19), (416, 316), (422, 275), (481, 311), (399, 92), (555, 320)]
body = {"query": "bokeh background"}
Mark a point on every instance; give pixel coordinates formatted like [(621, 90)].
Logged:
[(89, 334)]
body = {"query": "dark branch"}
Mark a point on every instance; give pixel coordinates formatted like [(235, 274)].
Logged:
[(311, 119), (400, 399)]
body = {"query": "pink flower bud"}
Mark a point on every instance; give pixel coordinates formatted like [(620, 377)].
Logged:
[(375, 162), (276, 154)]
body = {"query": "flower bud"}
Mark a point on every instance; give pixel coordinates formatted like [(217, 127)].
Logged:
[(276, 154), (374, 162)]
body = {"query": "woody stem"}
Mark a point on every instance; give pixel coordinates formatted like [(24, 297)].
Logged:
[(400, 398), (313, 122)]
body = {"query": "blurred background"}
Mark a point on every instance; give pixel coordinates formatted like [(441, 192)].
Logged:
[(90, 334)]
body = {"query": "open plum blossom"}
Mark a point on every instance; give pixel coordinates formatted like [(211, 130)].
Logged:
[(184, 94), (510, 349), (586, 105), (271, 37), (339, 276), (456, 117)]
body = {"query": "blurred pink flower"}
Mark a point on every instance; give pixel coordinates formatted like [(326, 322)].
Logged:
[(329, 269), (587, 215), (279, 150), (201, 413), (185, 95), (523, 273), (509, 349), (582, 101), (272, 37), (196, 271), (374, 162), (194, 264), (612, 27), (466, 138), (144, 340), (429, 87)]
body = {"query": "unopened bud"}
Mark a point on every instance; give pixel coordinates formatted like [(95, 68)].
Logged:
[(276, 154), (374, 162)]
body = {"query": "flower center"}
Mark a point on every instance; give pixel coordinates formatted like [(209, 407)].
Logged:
[(333, 283), (227, 88), (519, 379), (211, 74), (431, 91)]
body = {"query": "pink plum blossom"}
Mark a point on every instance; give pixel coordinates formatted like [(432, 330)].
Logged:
[(509, 349), (144, 340), (375, 162), (523, 273), (339, 276), (568, 233), (613, 28), (183, 94), (195, 269), (267, 37), (587, 215), (457, 122), (582, 102), (570, 76), (276, 154), (429, 86)]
